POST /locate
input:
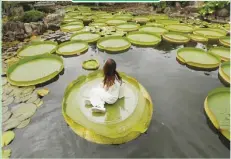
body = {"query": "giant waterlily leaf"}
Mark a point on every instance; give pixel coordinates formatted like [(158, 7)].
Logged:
[(154, 24), (113, 44), (224, 71), (198, 38), (209, 33), (72, 48), (217, 108), (71, 27), (174, 37), (98, 24), (143, 38), (154, 30), (23, 124), (43, 92), (122, 122), (37, 48), (24, 111), (141, 19), (128, 27), (114, 22), (90, 64), (179, 28), (35, 70), (86, 36), (167, 21), (223, 52), (7, 137), (225, 41), (197, 58)]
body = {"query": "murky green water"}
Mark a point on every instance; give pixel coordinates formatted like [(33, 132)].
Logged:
[(178, 129)]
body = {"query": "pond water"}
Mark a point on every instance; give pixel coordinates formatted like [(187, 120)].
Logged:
[(178, 128)]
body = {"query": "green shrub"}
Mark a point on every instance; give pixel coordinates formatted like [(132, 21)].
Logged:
[(211, 6), (32, 16)]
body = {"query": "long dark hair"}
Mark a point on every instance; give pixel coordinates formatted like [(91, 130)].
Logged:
[(110, 73)]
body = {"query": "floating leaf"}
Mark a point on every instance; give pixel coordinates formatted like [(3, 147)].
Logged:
[(24, 123), (72, 48), (6, 153), (6, 116), (10, 124), (24, 111), (4, 109), (90, 64), (43, 92), (7, 137)]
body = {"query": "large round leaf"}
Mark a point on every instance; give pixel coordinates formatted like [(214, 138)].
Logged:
[(71, 27), (72, 48), (224, 71), (175, 37), (113, 44), (143, 38), (86, 36), (225, 41), (128, 27), (198, 58), (223, 52), (179, 28), (209, 33), (122, 122), (34, 70), (114, 22), (153, 29), (198, 38), (37, 48), (90, 64), (217, 108)]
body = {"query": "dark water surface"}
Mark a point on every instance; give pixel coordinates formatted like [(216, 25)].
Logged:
[(178, 128)]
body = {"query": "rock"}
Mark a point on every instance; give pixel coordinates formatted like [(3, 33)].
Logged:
[(178, 5), (28, 28), (222, 12)]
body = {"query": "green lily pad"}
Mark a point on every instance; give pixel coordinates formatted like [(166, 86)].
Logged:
[(100, 20), (86, 36), (6, 153), (71, 27), (128, 27), (224, 71), (167, 21), (176, 38), (113, 44), (223, 52), (179, 28), (225, 41), (75, 23), (153, 30), (198, 58), (114, 22), (72, 48), (98, 24), (154, 24), (123, 17), (7, 137), (140, 19), (90, 64), (24, 123), (123, 121), (10, 124), (217, 108), (43, 92), (143, 38), (209, 33), (198, 38), (35, 70), (158, 16), (24, 111), (37, 48)]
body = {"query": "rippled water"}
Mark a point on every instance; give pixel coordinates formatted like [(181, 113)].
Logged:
[(178, 129)]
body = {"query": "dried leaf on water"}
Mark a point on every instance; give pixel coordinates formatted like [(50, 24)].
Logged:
[(4, 81), (39, 104), (10, 124), (7, 137), (8, 101), (6, 153), (4, 109), (24, 123), (24, 111), (33, 98), (6, 116), (43, 92)]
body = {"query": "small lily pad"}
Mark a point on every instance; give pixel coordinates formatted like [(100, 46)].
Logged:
[(6, 153), (43, 92), (39, 103), (24, 123), (8, 101), (4, 109), (90, 64), (33, 97), (7, 137)]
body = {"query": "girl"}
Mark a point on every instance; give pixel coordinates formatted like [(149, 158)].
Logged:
[(108, 91)]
